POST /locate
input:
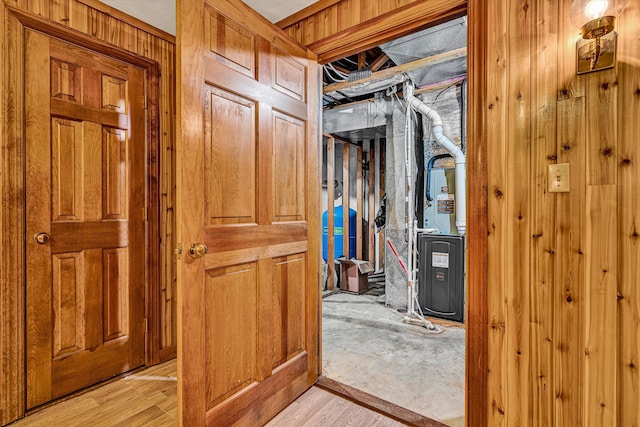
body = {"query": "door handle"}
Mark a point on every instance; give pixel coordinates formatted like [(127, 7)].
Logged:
[(197, 250), (41, 238)]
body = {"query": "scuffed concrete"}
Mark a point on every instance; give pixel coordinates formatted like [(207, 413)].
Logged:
[(367, 346)]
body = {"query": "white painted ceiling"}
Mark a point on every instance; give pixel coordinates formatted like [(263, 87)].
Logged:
[(162, 13)]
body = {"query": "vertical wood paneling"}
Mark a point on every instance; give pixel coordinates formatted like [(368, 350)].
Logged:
[(599, 324), (628, 372), (570, 224), (112, 29), (600, 304), (543, 204), (601, 93), (575, 332), (495, 112), (168, 278), (39, 7), (348, 14), (570, 263), (60, 11), (517, 227)]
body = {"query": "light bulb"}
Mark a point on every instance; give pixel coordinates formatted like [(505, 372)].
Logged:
[(595, 9)]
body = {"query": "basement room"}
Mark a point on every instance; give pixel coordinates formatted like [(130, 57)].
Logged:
[(319, 213)]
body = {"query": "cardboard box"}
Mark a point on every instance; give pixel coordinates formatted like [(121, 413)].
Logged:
[(354, 275)]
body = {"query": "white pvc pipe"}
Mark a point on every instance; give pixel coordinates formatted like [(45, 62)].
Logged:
[(408, 142), (453, 149)]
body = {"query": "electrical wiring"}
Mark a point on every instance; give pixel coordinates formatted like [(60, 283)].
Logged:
[(338, 72), (326, 71)]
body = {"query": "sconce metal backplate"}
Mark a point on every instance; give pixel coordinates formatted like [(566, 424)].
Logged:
[(586, 51)]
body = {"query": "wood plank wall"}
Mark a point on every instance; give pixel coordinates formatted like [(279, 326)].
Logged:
[(563, 267), (563, 330), (104, 25)]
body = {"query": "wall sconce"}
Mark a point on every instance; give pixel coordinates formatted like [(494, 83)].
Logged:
[(596, 20)]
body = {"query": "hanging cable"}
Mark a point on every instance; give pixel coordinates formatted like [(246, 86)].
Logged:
[(338, 72), (331, 77)]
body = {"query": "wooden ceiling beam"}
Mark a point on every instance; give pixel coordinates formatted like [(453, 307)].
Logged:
[(362, 60), (379, 62)]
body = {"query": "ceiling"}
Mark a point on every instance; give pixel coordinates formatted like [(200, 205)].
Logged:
[(439, 39), (162, 13)]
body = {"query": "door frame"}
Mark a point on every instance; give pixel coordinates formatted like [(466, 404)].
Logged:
[(12, 195), (386, 28)]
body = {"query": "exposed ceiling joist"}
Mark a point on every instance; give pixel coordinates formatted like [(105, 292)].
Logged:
[(379, 62), (404, 68)]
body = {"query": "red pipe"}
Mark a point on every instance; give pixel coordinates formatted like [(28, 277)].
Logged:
[(396, 254)]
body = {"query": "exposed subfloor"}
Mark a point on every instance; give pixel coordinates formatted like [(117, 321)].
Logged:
[(366, 345)]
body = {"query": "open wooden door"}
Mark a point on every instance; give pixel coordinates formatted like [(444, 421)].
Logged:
[(248, 216)]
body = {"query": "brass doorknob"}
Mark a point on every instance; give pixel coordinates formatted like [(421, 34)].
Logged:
[(197, 250), (41, 238)]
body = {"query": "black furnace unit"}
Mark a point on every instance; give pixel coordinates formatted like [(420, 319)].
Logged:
[(441, 276)]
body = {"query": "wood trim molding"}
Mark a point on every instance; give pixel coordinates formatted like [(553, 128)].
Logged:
[(70, 35), (397, 23), (12, 223), (401, 22), (376, 404), (477, 316)]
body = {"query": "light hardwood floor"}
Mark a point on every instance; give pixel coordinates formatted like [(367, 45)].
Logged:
[(146, 398), (149, 399)]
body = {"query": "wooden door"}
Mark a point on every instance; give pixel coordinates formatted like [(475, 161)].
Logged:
[(85, 148), (247, 189)]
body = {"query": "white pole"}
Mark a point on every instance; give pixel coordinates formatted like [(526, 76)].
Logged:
[(408, 88)]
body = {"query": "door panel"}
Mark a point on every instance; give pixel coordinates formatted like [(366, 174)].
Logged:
[(232, 200), (248, 179), (85, 189), (235, 346), (289, 141)]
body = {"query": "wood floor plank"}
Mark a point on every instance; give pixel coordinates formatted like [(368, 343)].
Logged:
[(318, 407), (149, 399), (146, 398)]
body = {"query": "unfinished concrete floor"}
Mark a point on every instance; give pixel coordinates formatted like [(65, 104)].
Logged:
[(367, 346)]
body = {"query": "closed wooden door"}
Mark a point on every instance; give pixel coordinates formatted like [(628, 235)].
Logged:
[(85, 147), (247, 196)]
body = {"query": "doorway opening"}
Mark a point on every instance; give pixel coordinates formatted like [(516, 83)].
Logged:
[(393, 221)]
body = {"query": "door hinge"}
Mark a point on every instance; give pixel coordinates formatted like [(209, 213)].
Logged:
[(146, 324)]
